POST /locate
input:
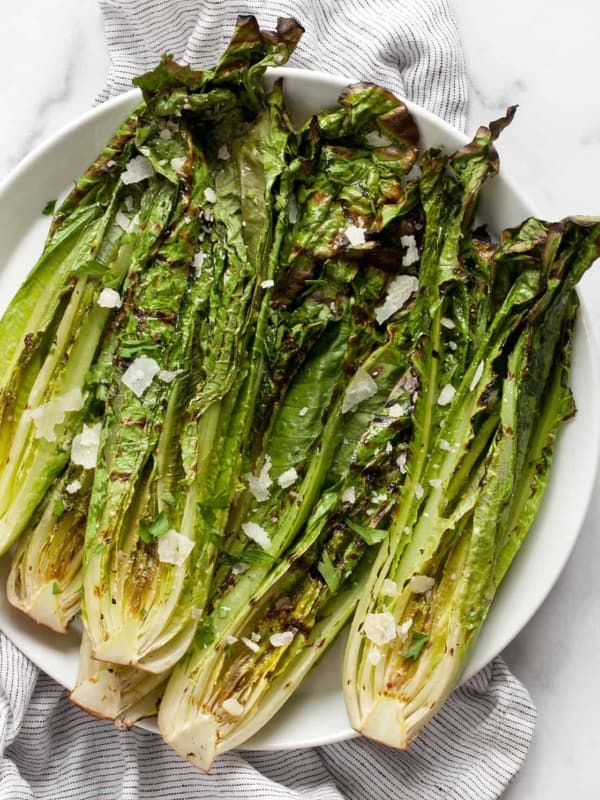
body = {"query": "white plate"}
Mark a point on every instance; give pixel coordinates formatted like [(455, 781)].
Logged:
[(316, 715)]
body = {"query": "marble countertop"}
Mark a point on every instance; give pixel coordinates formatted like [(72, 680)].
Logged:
[(533, 54)]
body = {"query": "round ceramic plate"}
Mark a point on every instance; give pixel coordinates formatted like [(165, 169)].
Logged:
[(316, 715)]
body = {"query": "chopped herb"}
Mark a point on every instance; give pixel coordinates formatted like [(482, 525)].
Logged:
[(205, 632), (158, 528), (98, 548), (419, 641), (328, 571), (59, 508), (56, 588), (168, 498), (90, 268), (48, 209), (370, 535), (254, 554)]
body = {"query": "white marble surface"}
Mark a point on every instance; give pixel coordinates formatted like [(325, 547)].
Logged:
[(541, 54)]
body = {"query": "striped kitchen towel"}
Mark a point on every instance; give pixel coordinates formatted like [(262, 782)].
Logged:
[(475, 745), (54, 751), (409, 46)]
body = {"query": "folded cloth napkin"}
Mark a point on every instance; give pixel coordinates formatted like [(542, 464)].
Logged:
[(54, 751), (475, 745)]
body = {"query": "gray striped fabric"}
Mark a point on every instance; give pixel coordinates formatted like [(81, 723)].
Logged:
[(474, 746), (409, 46), (53, 751)]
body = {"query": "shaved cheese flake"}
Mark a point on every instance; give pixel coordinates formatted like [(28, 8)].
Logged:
[(173, 548), (73, 487), (389, 588), (476, 376), (250, 644), (446, 396), (401, 462), (412, 253), (139, 374), (168, 375), (404, 628), (122, 220), (355, 235), (303, 411), (128, 202), (233, 707), (267, 284), (282, 639), (388, 447), (445, 445), (210, 195), (380, 628), (419, 584), (198, 262), (361, 387), (260, 484), (52, 413), (287, 478), (435, 483), (84, 450), (452, 345), (293, 209), (448, 323), (239, 568), (109, 298), (166, 134), (419, 491), (257, 534), (349, 495), (374, 656), (138, 169), (376, 139), (395, 411), (399, 292), (255, 636), (231, 639), (196, 613), (223, 153), (177, 163)]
